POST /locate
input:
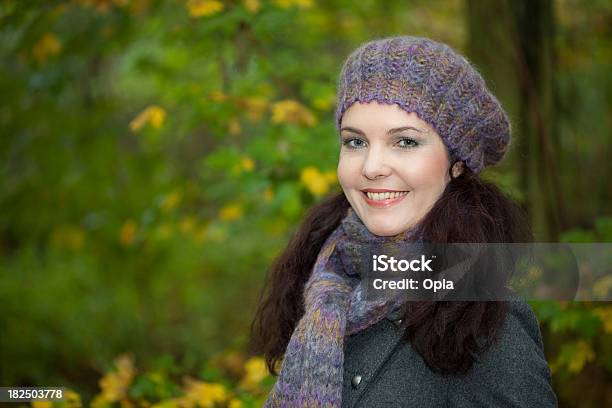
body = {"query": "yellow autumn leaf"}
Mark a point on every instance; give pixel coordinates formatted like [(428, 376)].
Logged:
[(314, 181), (231, 212), (304, 4), (187, 224), (583, 354), (255, 107), (290, 111), (218, 96), (234, 126), (138, 7), (170, 403), (247, 163), (602, 287), (171, 200), (605, 315), (252, 5), (153, 115), (234, 403), (98, 401), (255, 372), (125, 366), (157, 116), (202, 8), (128, 233), (278, 365), (156, 377), (114, 385), (72, 399), (204, 394), (48, 45), (42, 404)]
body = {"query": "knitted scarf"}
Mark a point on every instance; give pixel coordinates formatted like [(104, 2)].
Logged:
[(335, 306)]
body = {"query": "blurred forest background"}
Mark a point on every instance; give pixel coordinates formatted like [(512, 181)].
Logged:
[(157, 156)]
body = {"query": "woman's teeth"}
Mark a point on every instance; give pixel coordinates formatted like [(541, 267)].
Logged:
[(386, 195)]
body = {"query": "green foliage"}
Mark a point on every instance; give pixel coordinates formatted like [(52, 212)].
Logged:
[(158, 155), (602, 232)]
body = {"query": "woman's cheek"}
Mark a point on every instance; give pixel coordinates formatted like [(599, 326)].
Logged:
[(430, 170), (348, 171)]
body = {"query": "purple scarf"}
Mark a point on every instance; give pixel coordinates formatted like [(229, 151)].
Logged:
[(335, 306)]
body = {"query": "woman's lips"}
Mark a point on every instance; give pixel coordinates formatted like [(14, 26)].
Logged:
[(383, 203)]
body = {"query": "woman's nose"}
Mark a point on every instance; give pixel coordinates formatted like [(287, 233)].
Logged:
[(375, 165)]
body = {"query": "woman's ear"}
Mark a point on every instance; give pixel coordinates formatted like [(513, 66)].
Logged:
[(457, 169)]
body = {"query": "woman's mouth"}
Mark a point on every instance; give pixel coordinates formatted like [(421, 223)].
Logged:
[(383, 198)]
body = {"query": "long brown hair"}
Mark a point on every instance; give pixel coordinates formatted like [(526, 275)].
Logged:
[(447, 334)]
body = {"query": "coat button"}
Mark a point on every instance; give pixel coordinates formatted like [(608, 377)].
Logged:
[(398, 322), (356, 380)]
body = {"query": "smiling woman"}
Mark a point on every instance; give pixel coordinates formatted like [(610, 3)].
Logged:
[(391, 178), (416, 125)]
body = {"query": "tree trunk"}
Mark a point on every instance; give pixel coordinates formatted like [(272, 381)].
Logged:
[(512, 43)]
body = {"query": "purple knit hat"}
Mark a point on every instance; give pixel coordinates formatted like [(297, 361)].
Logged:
[(435, 82)]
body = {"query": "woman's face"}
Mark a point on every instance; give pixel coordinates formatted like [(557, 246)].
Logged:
[(393, 166)]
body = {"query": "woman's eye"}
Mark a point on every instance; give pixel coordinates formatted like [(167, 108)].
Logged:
[(356, 143), (353, 143), (406, 143)]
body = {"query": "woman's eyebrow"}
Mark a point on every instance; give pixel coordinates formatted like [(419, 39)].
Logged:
[(389, 132)]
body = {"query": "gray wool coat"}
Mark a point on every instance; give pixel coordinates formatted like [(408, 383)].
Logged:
[(381, 371)]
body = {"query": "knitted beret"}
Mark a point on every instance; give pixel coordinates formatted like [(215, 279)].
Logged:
[(435, 82)]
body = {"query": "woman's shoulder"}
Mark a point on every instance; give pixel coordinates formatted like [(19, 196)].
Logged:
[(513, 372), (519, 345), (521, 327)]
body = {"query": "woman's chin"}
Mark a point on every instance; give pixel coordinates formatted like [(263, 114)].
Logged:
[(384, 229)]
